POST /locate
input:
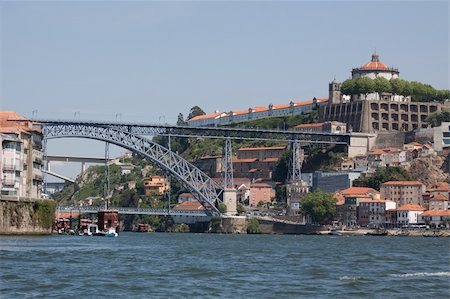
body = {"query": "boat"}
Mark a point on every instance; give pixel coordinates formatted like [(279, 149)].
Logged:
[(433, 235), (334, 232), (377, 232)]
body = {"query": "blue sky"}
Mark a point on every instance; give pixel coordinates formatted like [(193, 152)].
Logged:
[(148, 61)]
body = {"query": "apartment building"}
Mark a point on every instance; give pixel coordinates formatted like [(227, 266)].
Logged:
[(403, 192), (21, 156)]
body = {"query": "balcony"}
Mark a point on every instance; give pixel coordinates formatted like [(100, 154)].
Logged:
[(37, 156)]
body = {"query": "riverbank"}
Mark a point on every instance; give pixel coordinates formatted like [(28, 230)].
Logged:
[(390, 232)]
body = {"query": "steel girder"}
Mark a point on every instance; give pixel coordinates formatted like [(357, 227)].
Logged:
[(195, 179), (213, 132), (134, 211)]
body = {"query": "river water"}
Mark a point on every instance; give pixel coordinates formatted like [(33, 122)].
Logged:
[(173, 265)]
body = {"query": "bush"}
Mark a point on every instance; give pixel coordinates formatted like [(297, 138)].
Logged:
[(45, 212), (253, 226)]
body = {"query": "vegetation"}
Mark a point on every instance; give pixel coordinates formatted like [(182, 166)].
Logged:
[(45, 212), (215, 223), (195, 111), (222, 208), (240, 209), (435, 119), (382, 175), (253, 226), (320, 206), (418, 91)]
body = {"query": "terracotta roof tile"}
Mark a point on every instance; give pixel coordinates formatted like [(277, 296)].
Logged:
[(436, 213), (353, 191), (411, 207), (401, 183)]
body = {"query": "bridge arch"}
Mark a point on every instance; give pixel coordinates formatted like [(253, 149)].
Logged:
[(195, 179)]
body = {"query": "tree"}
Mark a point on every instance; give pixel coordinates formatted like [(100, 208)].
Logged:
[(240, 209), (348, 87), (282, 168), (435, 119), (223, 208), (364, 85), (382, 85), (320, 206), (398, 86), (180, 120), (383, 175), (253, 226), (195, 111)]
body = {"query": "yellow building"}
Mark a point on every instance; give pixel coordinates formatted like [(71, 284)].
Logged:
[(156, 185)]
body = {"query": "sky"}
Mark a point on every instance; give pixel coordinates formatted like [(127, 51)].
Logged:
[(147, 61)]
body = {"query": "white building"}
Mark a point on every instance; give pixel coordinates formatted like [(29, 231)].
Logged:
[(442, 137), (409, 214), (258, 112), (21, 157)]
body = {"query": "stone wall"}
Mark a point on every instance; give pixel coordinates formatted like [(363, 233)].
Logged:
[(20, 218)]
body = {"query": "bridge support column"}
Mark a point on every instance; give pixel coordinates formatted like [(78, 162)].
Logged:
[(295, 171), (230, 200)]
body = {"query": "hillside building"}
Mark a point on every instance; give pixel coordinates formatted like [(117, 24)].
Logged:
[(403, 192), (375, 112), (21, 156)]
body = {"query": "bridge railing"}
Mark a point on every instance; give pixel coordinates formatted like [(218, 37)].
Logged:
[(135, 211)]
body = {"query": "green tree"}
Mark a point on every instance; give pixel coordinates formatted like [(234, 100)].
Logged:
[(364, 85), (435, 119), (382, 85), (240, 209), (398, 86), (253, 226), (348, 87), (223, 208), (382, 175), (195, 111), (180, 120), (282, 167), (320, 206)]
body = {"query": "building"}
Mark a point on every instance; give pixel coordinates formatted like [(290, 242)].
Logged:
[(258, 112), (435, 218), (333, 181), (192, 206), (386, 157), (324, 127), (403, 192), (408, 214), (257, 162), (347, 209), (438, 202), (183, 197), (211, 165), (441, 137), (21, 156), (375, 112), (260, 193), (156, 185), (295, 191), (372, 212)]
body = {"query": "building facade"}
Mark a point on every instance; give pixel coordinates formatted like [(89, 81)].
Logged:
[(375, 112), (21, 157), (372, 212), (156, 185), (403, 192)]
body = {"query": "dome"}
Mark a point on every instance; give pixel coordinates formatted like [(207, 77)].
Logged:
[(375, 64)]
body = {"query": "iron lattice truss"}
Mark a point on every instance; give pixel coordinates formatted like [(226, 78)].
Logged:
[(213, 132), (196, 180)]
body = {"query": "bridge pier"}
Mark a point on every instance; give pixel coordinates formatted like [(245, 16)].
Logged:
[(230, 201)]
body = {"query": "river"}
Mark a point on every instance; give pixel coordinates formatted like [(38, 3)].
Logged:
[(174, 265)]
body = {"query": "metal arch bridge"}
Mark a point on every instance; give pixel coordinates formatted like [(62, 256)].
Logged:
[(196, 180), (211, 132), (136, 211)]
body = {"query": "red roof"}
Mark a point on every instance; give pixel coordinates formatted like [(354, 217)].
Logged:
[(411, 207), (262, 148), (11, 122), (439, 197), (354, 191), (436, 213), (375, 64), (190, 206), (402, 183), (260, 185)]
